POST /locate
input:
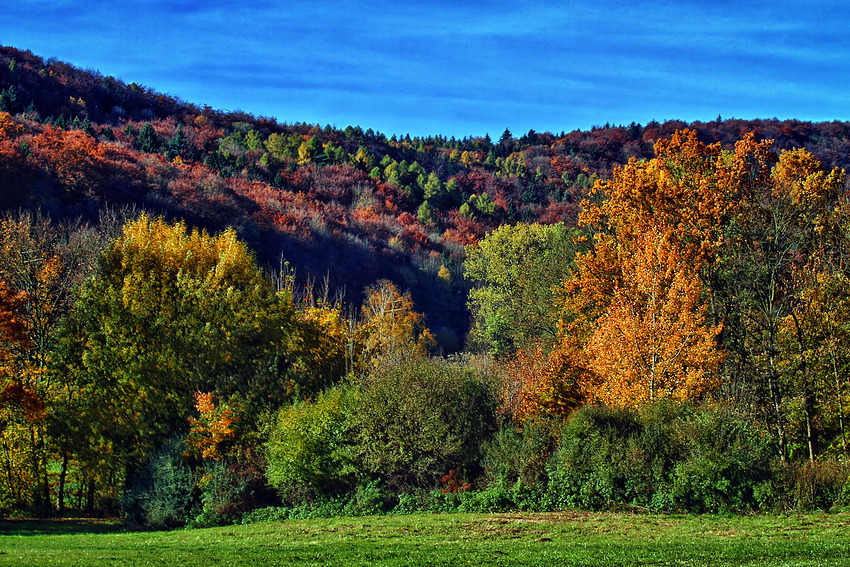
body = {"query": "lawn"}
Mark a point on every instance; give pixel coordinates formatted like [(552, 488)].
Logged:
[(565, 538)]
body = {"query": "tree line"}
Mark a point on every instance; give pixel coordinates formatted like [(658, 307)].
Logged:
[(683, 341)]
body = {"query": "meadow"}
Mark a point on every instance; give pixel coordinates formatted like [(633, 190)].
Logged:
[(562, 538)]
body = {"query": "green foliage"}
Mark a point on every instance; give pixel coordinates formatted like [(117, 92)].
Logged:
[(514, 269), (587, 470), (417, 420), (521, 454), (175, 145), (282, 146), (221, 490), (147, 141), (484, 204), (309, 446), (425, 213), (161, 496), (725, 459), (667, 457)]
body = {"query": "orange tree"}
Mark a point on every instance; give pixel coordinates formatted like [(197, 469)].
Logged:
[(633, 321), (697, 280)]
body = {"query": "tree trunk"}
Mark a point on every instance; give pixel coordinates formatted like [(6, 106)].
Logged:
[(776, 398), (808, 403), (60, 496)]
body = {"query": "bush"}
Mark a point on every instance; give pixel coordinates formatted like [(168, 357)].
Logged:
[(822, 485), (668, 456), (161, 495), (726, 458), (309, 447), (415, 421), (232, 487), (587, 471), (521, 453)]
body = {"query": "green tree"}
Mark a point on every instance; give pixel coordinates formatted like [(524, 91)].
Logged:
[(175, 145), (170, 312), (425, 213), (147, 141), (513, 270), (434, 190), (282, 146)]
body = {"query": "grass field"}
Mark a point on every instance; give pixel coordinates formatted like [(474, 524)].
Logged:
[(567, 538)]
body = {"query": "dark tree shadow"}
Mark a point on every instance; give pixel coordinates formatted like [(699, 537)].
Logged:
[(61, 527)]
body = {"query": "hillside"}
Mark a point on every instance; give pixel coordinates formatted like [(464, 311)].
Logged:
[(350, 204)]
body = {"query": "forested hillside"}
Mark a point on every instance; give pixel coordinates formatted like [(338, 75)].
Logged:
[(206, 312), (339, 201)]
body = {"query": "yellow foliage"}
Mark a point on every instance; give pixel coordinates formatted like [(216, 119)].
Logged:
[(391, 331)]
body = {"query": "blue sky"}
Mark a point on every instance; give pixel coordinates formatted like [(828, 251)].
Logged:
[(461, 68)]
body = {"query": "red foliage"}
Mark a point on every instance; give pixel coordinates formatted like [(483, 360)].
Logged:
[(15, 396)]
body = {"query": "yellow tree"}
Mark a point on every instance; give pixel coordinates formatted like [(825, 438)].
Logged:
[(652, 342), (391, 331), (172, 311)]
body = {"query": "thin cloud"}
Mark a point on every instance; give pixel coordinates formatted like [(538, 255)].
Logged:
[(458, 68)]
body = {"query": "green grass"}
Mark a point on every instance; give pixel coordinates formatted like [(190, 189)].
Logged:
[(567, 538)]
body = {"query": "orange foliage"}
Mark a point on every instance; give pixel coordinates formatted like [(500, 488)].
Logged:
[(15, 396), (653, 341), (8, 127), (13, 330), (634, 308), (537, 384), (74, 157), (211, 429)]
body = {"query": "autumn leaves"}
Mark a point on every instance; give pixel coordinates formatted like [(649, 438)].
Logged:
[(695, 265), (636, 304)]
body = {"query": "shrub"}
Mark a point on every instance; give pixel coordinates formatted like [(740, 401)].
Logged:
[(822, 485), (521, 453), (587, 469), (667, 456), (416, 420), (231, 487), (726, 458), (161, 495), (309, 446)]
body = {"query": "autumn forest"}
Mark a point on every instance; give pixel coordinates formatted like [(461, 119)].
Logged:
[(208, 317)]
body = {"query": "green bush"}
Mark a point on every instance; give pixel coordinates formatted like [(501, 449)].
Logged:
[(161, 495), (521, 454), (667, 456), (415, 421), (725, 459), (231, 487), (587, 471), (309, 446)]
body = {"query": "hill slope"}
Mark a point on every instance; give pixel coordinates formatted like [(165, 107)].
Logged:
[(349, 204)]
